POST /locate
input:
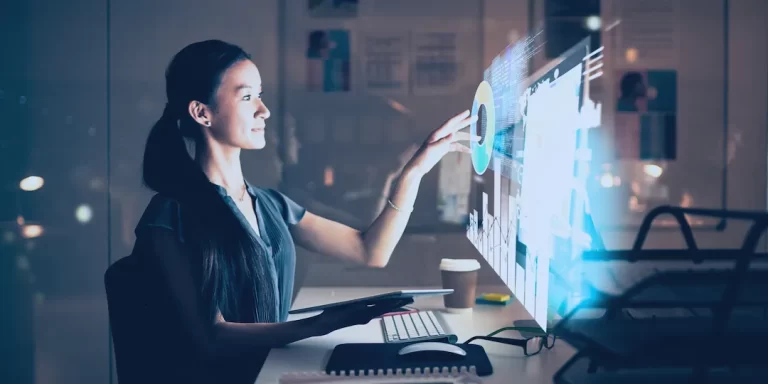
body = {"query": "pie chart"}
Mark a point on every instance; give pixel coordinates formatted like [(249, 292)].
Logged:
[(482, 150)]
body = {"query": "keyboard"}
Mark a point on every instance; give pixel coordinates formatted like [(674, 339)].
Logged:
[(414, 326)]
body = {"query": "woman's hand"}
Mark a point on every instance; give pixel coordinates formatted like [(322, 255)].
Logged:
[(440, 142), (354, 314)]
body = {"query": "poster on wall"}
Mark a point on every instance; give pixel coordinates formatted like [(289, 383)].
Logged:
[(649, 33), (646, 115), (332, 8), (328, 61), (385, 63), (434, 63)]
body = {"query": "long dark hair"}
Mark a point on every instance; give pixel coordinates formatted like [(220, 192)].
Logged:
[(227, 252)]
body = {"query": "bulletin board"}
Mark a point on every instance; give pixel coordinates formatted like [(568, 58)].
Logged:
[(665, 109), (362, 81)]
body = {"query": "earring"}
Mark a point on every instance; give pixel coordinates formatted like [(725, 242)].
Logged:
[(207, 123)]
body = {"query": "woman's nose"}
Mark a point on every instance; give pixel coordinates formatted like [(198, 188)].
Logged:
[(263, 111)]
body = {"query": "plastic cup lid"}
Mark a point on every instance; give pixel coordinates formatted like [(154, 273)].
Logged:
[(459, 265)]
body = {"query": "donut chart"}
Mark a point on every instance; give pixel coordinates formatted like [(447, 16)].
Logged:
[(482, 150)]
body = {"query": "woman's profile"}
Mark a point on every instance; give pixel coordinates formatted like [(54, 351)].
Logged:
[(225, 248)]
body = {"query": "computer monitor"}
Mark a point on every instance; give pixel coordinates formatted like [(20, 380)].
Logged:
[(538, 223)]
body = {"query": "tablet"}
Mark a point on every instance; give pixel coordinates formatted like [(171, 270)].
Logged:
[(408, 294)]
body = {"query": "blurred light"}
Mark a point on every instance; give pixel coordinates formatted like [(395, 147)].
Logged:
[(652, 170), (606, 180), (652, 92), (96, 184), (687, 200), (20, 220), (328, 177), (593, 23), (613, 25), (398, 107), (616, 181), (83, 213), (31, 183), (8, 237), (22, 263), (513, 36), (32, 231), (631, 55)]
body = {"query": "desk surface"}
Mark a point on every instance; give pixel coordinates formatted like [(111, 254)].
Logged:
[(310, 355)]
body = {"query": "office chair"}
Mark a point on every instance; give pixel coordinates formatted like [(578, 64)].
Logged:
[(149, 344), (124, 304)]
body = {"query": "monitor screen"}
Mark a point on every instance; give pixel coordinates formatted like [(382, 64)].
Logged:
[(534, 143)]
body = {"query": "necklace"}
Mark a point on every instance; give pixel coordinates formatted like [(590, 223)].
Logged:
[(242, 195)]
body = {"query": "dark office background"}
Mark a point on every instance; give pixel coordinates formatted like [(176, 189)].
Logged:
[(81, 82)]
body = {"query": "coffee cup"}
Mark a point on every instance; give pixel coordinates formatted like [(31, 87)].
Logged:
[(461, 276)]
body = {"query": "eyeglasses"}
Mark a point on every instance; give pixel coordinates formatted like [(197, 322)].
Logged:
[(531, 345)]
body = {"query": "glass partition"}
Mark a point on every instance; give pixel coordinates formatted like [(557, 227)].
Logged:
[(54, 202)]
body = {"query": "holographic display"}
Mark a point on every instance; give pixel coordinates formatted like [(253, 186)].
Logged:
[(534, 140)]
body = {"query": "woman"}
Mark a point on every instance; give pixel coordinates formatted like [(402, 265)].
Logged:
[(225, 248)]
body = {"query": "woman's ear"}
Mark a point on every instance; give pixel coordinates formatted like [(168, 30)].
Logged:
[(200, 113)]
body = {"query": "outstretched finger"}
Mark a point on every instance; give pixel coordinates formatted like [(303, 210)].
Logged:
[(465, 136), (447, 128), (464, 123), (459, 125), (457, 147), (459, 117)]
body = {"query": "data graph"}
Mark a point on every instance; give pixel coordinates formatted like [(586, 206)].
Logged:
[(540, 163)]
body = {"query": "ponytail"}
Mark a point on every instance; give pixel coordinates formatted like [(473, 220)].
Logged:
[(228, 255), (225, 251), (168, 168)]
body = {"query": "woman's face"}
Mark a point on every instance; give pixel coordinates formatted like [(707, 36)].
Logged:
[(239, 118)]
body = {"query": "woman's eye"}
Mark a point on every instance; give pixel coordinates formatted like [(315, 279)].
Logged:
[(247, 97)]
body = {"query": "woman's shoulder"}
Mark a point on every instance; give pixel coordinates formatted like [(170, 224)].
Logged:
[(162, 212), (290, 211)]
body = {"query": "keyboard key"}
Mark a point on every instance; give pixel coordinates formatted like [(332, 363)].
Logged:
[(421, 331), (436, 323), (401, 332), (431, 330), (389, 327), (411, 326)]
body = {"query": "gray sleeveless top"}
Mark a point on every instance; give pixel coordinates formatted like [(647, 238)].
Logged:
[(276, 213)]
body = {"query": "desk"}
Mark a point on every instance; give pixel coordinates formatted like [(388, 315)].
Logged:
[(508, 361)]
